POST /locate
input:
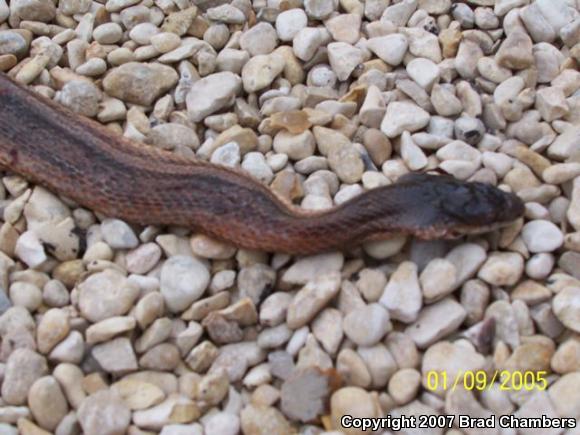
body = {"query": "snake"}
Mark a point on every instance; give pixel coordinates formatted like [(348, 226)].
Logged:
[(83, 161)]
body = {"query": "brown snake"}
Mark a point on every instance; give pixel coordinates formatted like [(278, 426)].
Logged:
[(82, 160)]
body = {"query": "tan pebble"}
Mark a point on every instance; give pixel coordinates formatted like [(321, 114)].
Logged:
[(108, 328), (163, 357), (26, 427), (103, 412), (32, 69), (7, 61), (209, 248), (70, 378), (138, 394), (202, 356), (531, 356), (352, 401), (263, 420), (294, 121), (52, 328), (567, 357), (23, 368), (47, 402), (288, 185), (179, 22), (404, 385), (165, 42), (516, 51), (176, 409), (203, 307), (69, 272)]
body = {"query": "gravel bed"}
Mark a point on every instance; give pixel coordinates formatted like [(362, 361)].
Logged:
[(107, 328)]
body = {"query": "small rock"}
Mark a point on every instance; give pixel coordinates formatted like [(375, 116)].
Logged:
[(319, 9), (566, 360), (366, 326), (467, 259), (29, 249), (412, 155), (312, 298), (542, 236), (260, 71), (304, 394), (289, 23), (404, 385), (137, 394), (566, 307), (227, 14), (104, 413), (390, 48), (424, 71), (551, 103), (81, 97), (263, 420), (255, 164), (403, 116), (307, 41), (402, 295), (175, 409), (47, 402), (516, 51), (469, 130), (453, 358), (344, 58), (70, 350), (13, 43), (165, 42), (23, 368), (355, 402), (436, 321), (116, 356), (565, 395), (222, 423), (502, 268), (438, 279), (259, 39), (382, 249), (23, 294), (309, 268), (347, 163), (345, 28), (423, 43), (34, 10), (183, 281), (139, 83), (172, 136), (371, 283), (143, 259), (557, 13), (108, 33), (52, 328), (106, 294), (506, 324), (109, 328), (163, 357), (118, 234)]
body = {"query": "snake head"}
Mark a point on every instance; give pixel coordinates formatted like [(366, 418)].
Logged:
[(475, 207), (449, 208)]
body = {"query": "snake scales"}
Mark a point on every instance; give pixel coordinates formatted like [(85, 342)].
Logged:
[(82, 160)]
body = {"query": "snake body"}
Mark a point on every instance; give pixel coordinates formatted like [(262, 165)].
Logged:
[(80, 159)]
